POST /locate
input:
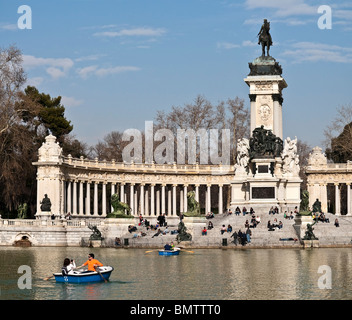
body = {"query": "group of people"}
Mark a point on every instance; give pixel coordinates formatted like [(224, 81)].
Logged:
[(226, 229), (274, 225), (274, 210), (319, 217), (69, 265), (244, 211), (241, 237)]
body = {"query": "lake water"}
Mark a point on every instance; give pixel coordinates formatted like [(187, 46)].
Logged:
[(206, 274)]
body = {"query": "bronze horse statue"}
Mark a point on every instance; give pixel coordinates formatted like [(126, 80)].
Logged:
[(265, 38)]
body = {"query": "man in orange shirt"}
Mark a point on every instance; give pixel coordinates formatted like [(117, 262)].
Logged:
[(92, 263)]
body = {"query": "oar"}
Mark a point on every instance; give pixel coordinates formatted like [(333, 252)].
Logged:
[(186, 250), (47, 278), (149, 251), (97, 270)]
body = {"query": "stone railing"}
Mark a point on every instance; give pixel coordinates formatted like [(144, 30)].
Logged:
[(76, 223), (145, 167)]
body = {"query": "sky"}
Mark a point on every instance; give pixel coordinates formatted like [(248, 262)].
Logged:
[(115, 63)]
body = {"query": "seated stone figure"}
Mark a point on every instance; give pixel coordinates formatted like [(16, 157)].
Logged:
[(45, 204), (316, 206)]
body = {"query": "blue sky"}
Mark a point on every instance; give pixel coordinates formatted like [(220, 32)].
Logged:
[(115, 63)]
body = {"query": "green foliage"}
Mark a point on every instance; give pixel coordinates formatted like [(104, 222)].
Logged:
[(51, 114)]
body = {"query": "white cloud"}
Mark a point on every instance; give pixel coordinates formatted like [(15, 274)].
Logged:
[(70, 101), (144, 32), (319, 52), (101, 72), (283, 8), (91, 57), (55, 67), (11, 27), (227, 45)]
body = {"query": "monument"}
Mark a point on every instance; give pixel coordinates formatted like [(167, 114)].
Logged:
[(267, 168)]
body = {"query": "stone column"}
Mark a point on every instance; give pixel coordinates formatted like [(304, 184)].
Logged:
[(132, 199), (197, 193), (69, 197), (88, 199), (103, 214), (152, 200), (185, 202), (209, 197), (181, 201), (220, 199), (157, 202), (163, 199), (146, 202), (174, 210), (252, 98), (348, 199), (112, 192), (74, 196), (169, 201), (95, 212), (81, 198), (142, 198), (337, 200), (122, 192)]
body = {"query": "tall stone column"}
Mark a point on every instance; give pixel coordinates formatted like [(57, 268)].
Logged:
[(197, 193), (69, 197), (169, 201), (81, 198), (220, 200), (209, 197), (146, 202), (152, 200), (163, 199), (142, 198), (122, 192), (337, 199), (185, 202), (157, 202), (95, 212), (174, 209), (349, 213), (88, 199), (103, 214), (74, 196), (112, 192), (132, 199)]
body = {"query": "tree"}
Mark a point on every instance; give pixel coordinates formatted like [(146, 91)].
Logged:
[(51, 114), (338, 135)]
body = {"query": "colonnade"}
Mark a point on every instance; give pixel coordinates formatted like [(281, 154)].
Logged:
[(319, 191), (83, 198)]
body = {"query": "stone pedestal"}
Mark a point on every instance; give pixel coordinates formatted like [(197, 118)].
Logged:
[(95, 243)]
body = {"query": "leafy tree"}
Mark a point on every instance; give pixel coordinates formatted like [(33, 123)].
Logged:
[(51, 114)]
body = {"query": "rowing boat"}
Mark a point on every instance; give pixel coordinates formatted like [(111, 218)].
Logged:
[(85, 276), (164, 252)]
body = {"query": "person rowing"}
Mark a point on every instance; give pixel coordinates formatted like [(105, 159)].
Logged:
[(168, 247), (92, 263)]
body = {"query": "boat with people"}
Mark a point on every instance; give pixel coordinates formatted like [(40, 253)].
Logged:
[(170, 252), (77, 276)]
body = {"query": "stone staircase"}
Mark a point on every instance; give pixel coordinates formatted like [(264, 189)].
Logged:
[(327, 233)]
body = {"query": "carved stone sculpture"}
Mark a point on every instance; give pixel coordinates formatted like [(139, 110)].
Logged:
[(193, 208), (45, 204), (183, 235), (119, 207), (242, 156), (290, 164)]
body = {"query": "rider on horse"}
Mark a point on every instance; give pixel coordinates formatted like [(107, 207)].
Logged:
[(265, 37)]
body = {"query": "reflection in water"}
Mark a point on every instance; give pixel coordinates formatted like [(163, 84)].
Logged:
[(207, 274)]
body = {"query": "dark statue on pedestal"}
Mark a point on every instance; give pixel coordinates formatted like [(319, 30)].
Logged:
[(45, 204), (264, 144), (96, 235), (265, 38), (183, 235)]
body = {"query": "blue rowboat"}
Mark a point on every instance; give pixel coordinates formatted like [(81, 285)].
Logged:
[(169, 252), (84, 277)]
